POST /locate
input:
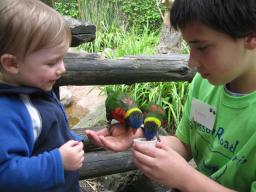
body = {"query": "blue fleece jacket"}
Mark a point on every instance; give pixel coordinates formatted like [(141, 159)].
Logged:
[(33, 125)]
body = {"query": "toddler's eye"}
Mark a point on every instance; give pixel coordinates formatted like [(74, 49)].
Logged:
[(53, 62)]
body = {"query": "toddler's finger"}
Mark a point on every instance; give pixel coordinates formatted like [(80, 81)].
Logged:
[(72, 143)]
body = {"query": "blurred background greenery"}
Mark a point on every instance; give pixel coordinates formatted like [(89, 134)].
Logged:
[(130, 27)]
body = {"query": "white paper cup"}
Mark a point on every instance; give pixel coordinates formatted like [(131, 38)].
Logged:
[(143, 141)]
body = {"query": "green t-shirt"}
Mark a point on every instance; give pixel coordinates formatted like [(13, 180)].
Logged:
[(227, 153)]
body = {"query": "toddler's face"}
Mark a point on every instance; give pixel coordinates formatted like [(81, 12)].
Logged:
[(217, 57), (42, 68)]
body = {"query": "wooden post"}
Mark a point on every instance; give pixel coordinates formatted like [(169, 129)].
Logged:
[(170, 39)]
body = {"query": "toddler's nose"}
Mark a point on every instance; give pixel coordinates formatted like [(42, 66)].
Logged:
[(61, 68)]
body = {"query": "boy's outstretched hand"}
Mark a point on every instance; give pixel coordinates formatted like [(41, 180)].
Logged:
[(119, 140)]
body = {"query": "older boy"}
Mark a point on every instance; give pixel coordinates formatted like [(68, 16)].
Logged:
[(218, 125), (38, 152)]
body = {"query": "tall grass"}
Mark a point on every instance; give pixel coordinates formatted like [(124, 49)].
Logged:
[(105, 14), (124, 43)]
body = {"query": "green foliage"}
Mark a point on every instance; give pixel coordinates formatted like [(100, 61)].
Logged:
[(121, 13), (123, 43), (184, 47), (142, 13), (67, 7), (105, 15)]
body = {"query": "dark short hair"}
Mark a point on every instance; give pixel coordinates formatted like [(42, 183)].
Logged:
[(237, 18)]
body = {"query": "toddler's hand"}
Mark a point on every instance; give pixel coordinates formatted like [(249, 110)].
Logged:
[(72, 154)]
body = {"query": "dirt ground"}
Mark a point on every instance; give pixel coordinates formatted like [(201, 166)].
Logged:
[(92, 185)]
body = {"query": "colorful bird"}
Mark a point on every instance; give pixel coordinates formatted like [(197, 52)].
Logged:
[(154, 118), (121, 107)]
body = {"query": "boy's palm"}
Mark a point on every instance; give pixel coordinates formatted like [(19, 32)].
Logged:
[(120, 140)]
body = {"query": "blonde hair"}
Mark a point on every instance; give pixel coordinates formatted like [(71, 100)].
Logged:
[(29, 25)]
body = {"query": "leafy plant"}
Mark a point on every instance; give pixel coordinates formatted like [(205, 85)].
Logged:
[(121, 14), (142, 13), (184, 47), (104, 14), (67, 7), (124, 43)]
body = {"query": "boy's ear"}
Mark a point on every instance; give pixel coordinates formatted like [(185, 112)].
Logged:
[(250, 41), (9, 63)]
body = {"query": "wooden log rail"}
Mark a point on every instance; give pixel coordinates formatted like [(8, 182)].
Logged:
[(103, 163), (92, 69)]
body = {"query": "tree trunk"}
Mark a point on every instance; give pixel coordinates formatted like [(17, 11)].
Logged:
[(170, 39)]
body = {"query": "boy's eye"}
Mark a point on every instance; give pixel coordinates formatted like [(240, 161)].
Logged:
[(199, 47), (202, 49), (51, 64)]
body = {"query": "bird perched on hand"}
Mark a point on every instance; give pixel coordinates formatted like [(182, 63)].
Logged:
[(154, 118), (121, 107)]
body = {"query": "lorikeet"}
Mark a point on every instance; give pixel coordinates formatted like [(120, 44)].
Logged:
[(121, 107), (154, 118)]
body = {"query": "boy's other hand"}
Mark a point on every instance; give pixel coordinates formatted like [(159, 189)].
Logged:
[(72, 154), (162, 164)]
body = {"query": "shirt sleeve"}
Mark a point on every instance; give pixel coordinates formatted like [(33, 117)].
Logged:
[(77, 137), (253, 186)]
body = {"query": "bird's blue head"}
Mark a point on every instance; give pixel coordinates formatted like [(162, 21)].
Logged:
[(150, 130), (135, 118)]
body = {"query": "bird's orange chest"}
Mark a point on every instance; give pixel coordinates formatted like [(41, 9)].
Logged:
[(118, 114)]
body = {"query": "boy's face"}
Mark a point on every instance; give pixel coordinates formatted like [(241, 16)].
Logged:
[(42, 68), (217, 57)]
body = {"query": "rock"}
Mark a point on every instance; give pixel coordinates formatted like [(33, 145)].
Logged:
[(132, 181), (65, 96), (87, 106)]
